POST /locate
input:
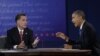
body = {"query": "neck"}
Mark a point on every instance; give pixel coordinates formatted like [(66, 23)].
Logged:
[(81, 22), (81, 25), (21, 28)]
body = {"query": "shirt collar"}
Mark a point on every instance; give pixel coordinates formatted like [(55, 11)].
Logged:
[(20, 29), (82, 25)]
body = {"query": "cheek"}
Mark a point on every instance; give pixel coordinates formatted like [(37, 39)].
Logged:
[(20, 23), (24, 23), (76, 22)]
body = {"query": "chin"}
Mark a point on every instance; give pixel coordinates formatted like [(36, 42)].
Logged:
[(76, 26)]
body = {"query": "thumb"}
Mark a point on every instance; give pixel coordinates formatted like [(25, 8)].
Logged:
[(22, 42)]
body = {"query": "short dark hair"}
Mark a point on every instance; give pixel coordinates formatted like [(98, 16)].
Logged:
[(17, 17), (80, 13)]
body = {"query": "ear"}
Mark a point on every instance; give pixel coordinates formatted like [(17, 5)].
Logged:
[(81, 17)]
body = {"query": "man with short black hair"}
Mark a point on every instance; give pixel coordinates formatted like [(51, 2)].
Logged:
[(21, 36), (87, 33)]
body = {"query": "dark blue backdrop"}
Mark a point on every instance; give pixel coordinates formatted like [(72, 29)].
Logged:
[(45, 18)]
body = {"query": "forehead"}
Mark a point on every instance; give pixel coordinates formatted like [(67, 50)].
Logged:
[(23, 17)]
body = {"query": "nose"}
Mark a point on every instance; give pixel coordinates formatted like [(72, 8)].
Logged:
[(26, 23), (72, 20)]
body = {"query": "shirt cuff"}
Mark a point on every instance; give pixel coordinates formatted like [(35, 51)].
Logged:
[(15, 46), (67, 40)]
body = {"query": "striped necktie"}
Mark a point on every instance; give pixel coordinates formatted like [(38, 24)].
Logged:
[(21, 35)]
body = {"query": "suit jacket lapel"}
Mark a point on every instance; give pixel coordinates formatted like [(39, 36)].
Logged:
[(17, 35), (83, 28), (81, 38), (24, 34)]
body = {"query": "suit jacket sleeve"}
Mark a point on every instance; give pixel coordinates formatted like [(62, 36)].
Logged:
[(73, 43), (31, 39), (9, 43)]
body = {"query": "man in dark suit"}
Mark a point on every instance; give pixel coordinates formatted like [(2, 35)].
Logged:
[(21, 36), (87, 34)]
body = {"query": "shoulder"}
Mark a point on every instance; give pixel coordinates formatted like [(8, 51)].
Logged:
[(29, 30), (12, 30), (89, 27)]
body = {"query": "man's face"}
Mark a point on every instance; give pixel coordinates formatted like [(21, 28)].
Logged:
[(76, 20), (22, 22)]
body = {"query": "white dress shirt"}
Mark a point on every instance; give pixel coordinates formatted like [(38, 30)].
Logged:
[(15, 46), (82, 25)]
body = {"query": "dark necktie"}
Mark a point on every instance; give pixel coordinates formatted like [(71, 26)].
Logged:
[(80, 32), (81, 38), (21, 35)]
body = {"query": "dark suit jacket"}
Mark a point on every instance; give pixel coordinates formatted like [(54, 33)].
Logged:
[(13, 38), (87, 39)]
